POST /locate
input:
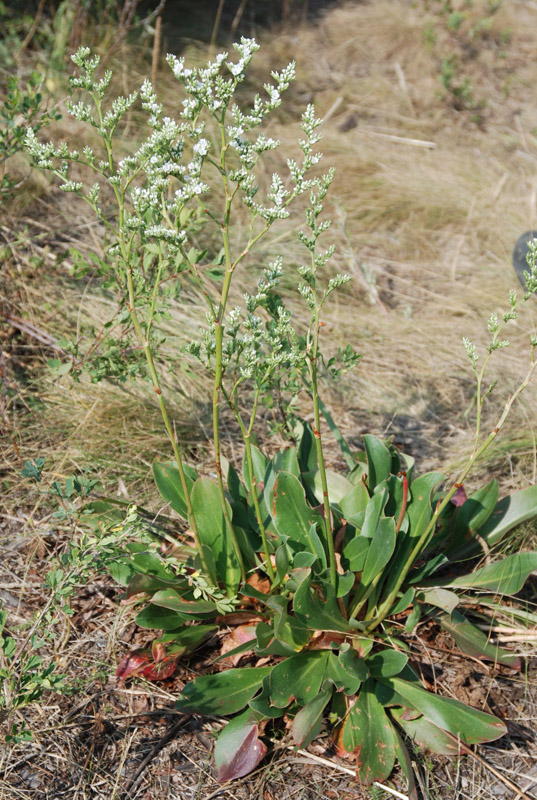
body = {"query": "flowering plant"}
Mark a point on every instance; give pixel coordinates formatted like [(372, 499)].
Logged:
[(323, 575)]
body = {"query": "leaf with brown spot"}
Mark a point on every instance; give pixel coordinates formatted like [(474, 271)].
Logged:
[(368, 732)]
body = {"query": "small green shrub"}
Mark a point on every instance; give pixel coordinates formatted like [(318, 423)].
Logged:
[(336, 568)]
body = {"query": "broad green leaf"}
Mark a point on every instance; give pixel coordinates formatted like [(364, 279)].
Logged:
[(355, 552), (170, 598), (439, 598), (187, 639), (169, 485), (139, 561), (261, 703), (156, 617), (403, 602), (317, 547), (293, 516), (373, 514), (148, 584), (238, 749), (259, 465), (507, 576), (355, 500), (420, 507), (287, 629), (368, 732), (223, 693), (236, 488), (425, 734), (214, 532), (474, 642), (308, 721), (472, 726), (510, 512), (380, 550), (319, 613), (347, 671), (419, 512), (307, 450), (379, 461), (298, 677), (286, 460), (386, 663), (338, 485)]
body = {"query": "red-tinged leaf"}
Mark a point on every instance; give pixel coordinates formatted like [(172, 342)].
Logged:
[(132, 664), (459, 498), (159, 671), (238, 749), (158, 651), (237, 638)]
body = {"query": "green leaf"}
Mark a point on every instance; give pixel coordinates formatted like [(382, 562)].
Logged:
[(355, 500), (298, 677), (386, 663), (293, 516), (156, 617), (319, 613), (368, 731), (419, 512), (224, 693), (259, 465), (307, 450), (355, 552), (379, 461), (238, 749), (380, 550), (186, 640), (440, 598), (338, 485), (170, 598), (504, 577), (425, 734), (168, 483), (308, 721), (474, 642), (510, 512), (346, 670), (261, 704), (214, 532), (471, 725), (373, 513), (148, 584)]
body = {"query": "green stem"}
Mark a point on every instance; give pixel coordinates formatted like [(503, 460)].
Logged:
[(319, 448), (219, 370), (247, 436)]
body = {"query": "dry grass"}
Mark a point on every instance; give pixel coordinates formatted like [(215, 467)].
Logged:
[(426, 205)]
